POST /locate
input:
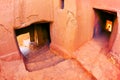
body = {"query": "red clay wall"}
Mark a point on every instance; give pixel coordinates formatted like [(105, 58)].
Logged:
[(85, 18), (30, 11), (7, 42), (71, 27), (64, 28), (16, 14)]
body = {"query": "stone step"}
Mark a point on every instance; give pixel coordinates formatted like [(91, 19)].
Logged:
[(38, 64), (40, 57)]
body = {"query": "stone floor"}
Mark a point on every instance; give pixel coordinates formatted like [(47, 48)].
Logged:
[(66, 70), (41, 58), (95, 61), (90, 63)]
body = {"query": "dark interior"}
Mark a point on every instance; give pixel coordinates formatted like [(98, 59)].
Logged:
[(39, 35), (101, 19)]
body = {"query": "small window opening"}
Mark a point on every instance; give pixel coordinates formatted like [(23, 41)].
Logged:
[(62, 4)]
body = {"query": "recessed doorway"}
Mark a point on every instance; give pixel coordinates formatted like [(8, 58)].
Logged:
[(34, 44), (104, 26), (33, 37)]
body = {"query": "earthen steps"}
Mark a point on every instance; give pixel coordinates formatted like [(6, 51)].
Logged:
[(33, 66), (41, 59)]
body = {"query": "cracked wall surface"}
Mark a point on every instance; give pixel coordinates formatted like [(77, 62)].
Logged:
[(7, 41), (16, 14), (63, 30), (70, 27)]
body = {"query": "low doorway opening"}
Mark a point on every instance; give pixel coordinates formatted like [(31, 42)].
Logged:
[(34, 44), (33, 38), (103, 26)]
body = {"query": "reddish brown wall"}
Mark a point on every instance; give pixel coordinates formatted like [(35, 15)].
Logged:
[(70, 27), (7, 41), (63, 30), (30, 11), (106, 4), (17, 14), (85, 18)]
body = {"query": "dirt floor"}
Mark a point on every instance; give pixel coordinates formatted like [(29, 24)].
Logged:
[(66, 70), (90, 63)]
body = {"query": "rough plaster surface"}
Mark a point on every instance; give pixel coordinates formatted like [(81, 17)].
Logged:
[(70, 28), (17, 14), (66, 70)]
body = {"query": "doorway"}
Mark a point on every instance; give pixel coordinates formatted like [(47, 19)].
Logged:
[(104, 26), (34, 44), (33, 38)]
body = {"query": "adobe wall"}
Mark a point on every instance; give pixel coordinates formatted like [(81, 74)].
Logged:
[(16, 14), (70, 27), (31, 11), (85, 18), (64, 28), (7, 41)]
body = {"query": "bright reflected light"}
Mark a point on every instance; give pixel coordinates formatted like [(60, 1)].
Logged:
[(108, 25), (23, 42)]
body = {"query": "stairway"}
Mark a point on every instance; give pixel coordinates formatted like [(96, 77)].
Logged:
[(41, 59), (89, 58)]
